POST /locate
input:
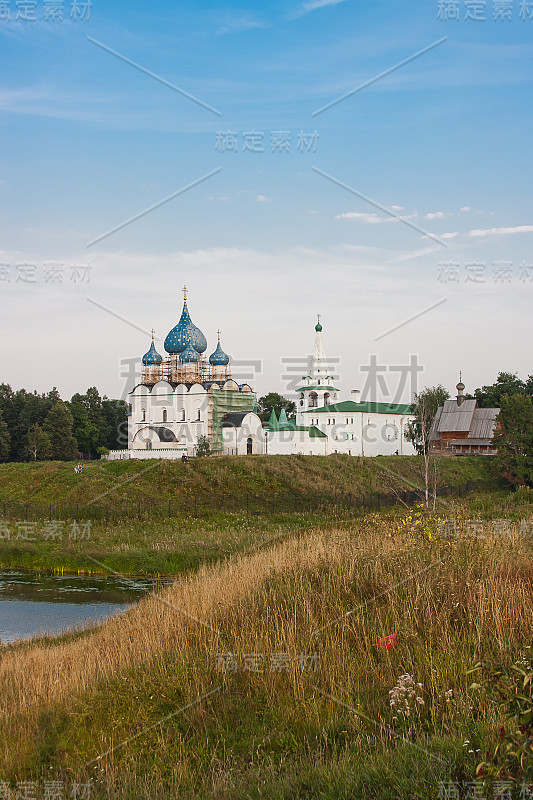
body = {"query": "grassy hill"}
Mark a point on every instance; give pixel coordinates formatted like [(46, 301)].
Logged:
[(213, 479), (262, 676)]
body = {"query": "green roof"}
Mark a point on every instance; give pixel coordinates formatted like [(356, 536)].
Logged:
[(349, 406), (320, 388), (273, 421), (282, 419), (314, 432)]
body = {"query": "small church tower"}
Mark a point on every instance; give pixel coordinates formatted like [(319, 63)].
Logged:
[(316, 389), (151, 365)]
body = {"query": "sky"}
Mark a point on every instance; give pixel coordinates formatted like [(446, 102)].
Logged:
[(365, 160)]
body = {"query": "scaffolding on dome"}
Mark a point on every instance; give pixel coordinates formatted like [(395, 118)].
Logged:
[(225, 401), (174, 371)]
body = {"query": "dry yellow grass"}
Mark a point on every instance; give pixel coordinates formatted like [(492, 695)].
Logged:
[(451, 603)]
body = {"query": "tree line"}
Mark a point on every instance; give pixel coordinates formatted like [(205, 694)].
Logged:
[(41, 427), (514, 433)]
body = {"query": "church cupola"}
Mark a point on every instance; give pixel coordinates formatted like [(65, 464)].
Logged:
[(316, 389), (219, 361), (151, 362), (189, 361), (460, 391), (185, 332)]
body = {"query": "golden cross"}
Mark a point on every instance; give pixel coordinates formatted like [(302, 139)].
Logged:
[(218, 334), (153, 334), (184, 292)]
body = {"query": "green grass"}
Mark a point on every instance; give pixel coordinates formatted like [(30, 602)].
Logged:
[(211, 480), (161, 518), (279, 735)]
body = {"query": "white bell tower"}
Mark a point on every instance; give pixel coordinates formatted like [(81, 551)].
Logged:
[(316, 389)]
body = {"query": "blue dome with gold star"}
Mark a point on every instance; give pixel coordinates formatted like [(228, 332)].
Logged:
[(189, 355), (219, 357), (152, 357), (184, 333)]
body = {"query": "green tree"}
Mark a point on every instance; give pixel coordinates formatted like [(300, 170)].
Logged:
[(84, 431), (20, 410), (92, 428), (4, 440), (275, 401), (38, 446), (115, 413), (514, 439), (418, 431), (506, 383), (203, 447), (58, 426), (425, 408)]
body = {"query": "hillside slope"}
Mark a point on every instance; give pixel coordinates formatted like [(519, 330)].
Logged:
[(306, 477)]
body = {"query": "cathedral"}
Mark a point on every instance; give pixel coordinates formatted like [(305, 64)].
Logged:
[(185, 399)]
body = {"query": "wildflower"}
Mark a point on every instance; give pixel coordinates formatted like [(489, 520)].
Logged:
[(388, 642)]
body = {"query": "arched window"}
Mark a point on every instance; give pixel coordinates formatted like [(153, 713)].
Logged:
[(143, 415), (249, 445), (183, 415), (313, 400), (326, 398), (198, 417), (164, 415), (148, 445)]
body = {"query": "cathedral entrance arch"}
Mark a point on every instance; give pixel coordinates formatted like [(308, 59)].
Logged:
[(249, 446)]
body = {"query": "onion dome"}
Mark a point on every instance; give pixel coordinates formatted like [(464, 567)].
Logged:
[(189, 355), (183, 333), (318, 326), (152, 357), (219, 357), (460, 386)]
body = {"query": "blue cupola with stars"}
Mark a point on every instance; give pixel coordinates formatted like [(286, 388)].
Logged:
[(219, 358), (152, 357), (185, 333), (190, 355)]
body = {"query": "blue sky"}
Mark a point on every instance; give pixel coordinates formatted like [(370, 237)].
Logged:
[(267, 241)]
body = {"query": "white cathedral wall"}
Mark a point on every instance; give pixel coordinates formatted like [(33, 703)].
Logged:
[(364, 434), (285, 443), (186, 414), (235, 440)]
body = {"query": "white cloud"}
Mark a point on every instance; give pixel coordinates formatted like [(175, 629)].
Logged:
[(262, 198), (416, 254), (372, 218), (239, 25), (435, 215), (465, 208), (313, 211), (451, 235), (396, 208), (502, 231), (312, 5)]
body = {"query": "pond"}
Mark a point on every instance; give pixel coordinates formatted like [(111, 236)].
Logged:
[(32, 604)]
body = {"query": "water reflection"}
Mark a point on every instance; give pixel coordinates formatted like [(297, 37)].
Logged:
[(32, 604)]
